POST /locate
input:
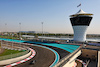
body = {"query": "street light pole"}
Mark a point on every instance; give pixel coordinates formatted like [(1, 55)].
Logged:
[(20, 33), (12, 40), (42, 30), (1, 43), (6, 31)]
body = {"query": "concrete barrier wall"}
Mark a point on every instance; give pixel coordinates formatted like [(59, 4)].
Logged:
[(71, 62), (9, 61)]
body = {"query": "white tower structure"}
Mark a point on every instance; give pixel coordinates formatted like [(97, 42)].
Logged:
[(80, 22)]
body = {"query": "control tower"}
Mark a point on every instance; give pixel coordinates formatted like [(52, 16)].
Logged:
[(80, 22)]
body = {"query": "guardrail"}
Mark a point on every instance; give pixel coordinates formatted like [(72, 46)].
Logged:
[(64, 60), (13, 55)]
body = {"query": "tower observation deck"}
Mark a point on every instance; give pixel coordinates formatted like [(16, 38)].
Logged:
[(80, 22)]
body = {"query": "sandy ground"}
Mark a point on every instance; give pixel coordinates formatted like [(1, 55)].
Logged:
[(78, 64)]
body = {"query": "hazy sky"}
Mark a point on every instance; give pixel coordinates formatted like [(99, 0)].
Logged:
[(54, 14)]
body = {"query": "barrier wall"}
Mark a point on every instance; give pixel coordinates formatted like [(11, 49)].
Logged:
[(66, 59), (71, 61)]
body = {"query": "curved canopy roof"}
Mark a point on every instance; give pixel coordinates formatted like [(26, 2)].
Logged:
[(80, 12)]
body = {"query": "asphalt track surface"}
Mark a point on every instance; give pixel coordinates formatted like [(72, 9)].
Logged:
[(62, 53), (43, 58)]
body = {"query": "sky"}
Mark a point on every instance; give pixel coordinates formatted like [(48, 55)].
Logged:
[(53, 13)]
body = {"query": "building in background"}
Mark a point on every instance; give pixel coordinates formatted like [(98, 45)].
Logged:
[(33, 32), (80, 22)]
